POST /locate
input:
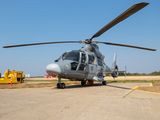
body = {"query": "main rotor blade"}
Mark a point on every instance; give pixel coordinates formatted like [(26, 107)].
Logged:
[(41, 44), (107, 43), (121, 17)]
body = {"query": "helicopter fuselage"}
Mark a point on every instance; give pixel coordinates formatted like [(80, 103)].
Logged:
[(84, 64)]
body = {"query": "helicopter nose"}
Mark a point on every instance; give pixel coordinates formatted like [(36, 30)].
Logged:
[(53, 69)]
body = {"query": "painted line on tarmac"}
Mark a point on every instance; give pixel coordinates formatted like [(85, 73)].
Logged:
[(134, 88), (127, 94), (148, 92), (130, 91)]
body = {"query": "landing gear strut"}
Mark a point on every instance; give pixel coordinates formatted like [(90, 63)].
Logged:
[(59, 84), (83, 82)]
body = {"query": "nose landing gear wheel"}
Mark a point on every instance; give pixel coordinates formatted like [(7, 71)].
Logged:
[(83, 82), (62, 85), (104, 83)]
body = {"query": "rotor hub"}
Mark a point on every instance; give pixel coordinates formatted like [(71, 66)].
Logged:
[(88, 41)]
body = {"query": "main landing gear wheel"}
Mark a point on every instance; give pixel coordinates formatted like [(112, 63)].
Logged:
[(62, 85), (83, 82), (104, 83), (58, 86)]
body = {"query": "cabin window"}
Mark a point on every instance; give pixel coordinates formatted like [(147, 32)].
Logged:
[(91, 59), (73, 55), (100, 62), (82, 67)]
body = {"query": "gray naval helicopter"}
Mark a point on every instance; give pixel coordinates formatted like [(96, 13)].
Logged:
[(87, 64)]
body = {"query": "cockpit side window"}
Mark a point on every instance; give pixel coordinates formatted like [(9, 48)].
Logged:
[(83, 59), (82, 65), (91, 59), (100, 62), (73, 55)]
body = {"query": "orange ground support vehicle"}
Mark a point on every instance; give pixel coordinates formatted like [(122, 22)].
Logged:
[(17, 77)]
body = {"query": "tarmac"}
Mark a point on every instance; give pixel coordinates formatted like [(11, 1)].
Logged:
[(115, 101)]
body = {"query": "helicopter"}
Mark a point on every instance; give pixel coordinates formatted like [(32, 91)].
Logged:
[(87, 63)]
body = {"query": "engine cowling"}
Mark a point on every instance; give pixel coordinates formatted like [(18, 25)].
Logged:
[(115, 74)]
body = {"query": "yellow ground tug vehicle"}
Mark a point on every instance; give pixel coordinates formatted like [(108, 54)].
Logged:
[(17, 77)]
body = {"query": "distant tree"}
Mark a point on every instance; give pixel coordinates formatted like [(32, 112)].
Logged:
[(128, 74), (132, 74), (155, 73), (121, 74), (137, 74)]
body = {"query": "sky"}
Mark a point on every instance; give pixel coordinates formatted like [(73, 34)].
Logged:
[(36, 21)]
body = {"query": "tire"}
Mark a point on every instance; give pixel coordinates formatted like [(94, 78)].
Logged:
[(104, 83), (58, 86), (62, 85), (83, 82)]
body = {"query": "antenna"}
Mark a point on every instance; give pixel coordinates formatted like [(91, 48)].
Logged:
[(125, 70)]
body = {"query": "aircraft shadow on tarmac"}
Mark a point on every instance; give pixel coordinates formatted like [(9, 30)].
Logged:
[(93, 85), (81, 86), (118, 87)]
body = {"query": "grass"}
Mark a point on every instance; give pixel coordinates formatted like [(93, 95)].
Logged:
[(39, 84), (156, 83), (44, 80), (36, 85), (155, 88), (18, 86)]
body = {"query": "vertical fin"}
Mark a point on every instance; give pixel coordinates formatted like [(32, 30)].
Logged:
[(114, 62)]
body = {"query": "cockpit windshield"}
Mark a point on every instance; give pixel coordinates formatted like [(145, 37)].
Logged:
[(61, 57), (73, 55)]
